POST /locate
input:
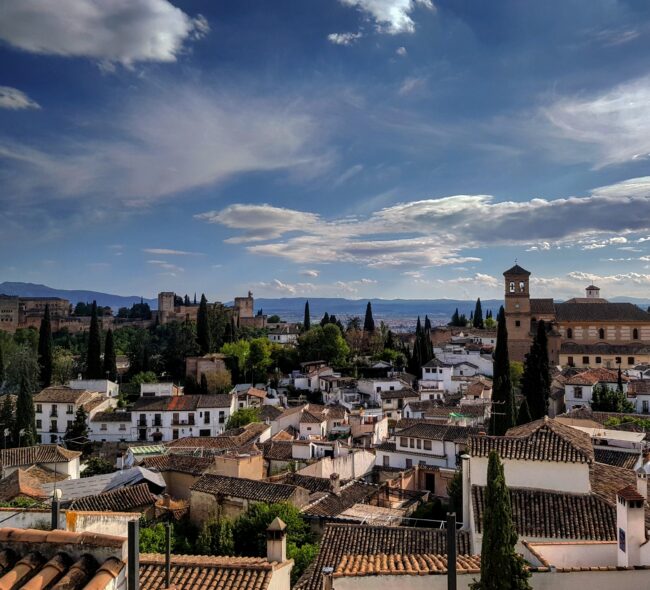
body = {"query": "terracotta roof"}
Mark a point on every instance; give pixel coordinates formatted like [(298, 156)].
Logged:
[(517, 270), (309, 418), (112, 417), (238, 487), (119, 500), (399, 394), (230, 439), (604, 348), (616, 458), (350, 494), (404, 564), (631, 494), (20, 484), (542, 440), (601, 312), (37, 454), (278, 450), (167, 403), (313, 484), (353, 539), (63, 395), (593, 376), (178, 463), (253, 391), (554, 515), (606, 480), (443, 432), (200, 572), (477, 388), (46, 475), (288, 434), (269, 412), (222, 400), (542, 306), (60, 559)]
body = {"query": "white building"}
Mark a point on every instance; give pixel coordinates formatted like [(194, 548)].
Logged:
[(579, 389), (104, 386), (284, 334), (160, 390)]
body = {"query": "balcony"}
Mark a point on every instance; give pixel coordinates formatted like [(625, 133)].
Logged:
[(54, 414), (179, 422), (142, 423)]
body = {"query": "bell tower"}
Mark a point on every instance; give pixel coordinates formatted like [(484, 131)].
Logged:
[(517, 310)]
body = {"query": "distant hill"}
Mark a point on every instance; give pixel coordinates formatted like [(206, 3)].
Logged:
[(103, 299)]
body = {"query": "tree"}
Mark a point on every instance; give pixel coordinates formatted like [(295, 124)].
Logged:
[(216, 537), (523, 415), (2, 368), (23, 377), (536, 380), (369, 322), (239, 351), (503, 398), (306, 322), (259, 359), (477, 320), (501, 567), (94, 352), (516, 373), (273, 319), (202, 326), (324, 343), (325, 320), (62, 365), (619, 379), (242, 417), (97, 466), (219, 381), (7, 420), (76, 434), (606, 399), (45, 349), (110, 359), (153, 539), (302, 557), (455, 491), (144, 377), (180, 342), (455, 319)]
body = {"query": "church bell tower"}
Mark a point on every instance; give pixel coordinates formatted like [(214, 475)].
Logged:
[(517, 310)]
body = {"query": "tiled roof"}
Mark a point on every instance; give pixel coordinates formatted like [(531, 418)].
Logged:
[(167, 403), (404, 564), (112, 417), (309, 418), (313, 484), (630, 493), (179, 463), (254, 392), (604, 348), (119, 500), (639, 387), (61, 394), (352, 539), (542, 440), (439, 432), (399, 394), (20, 484), (237, 487), (606, 480), (269, 412), (37, 454), (593, 376), (199, 572), (542, 306), (230, 439), (350, 494), (223, 400), (616, 458), (517, 270), (288, 434), (278, 450), (46, 475), (600, 312), (554, 515), (60, 559)]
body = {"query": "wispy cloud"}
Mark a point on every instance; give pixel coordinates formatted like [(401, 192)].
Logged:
[(170, 252), (14, 99), (343, 38), (390, 16)]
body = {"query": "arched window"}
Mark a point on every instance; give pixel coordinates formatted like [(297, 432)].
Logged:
[(601, 334), (522, 287), (512, 286), (569, 333), (635, 334)]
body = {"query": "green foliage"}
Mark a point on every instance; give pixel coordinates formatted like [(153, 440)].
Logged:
[(6, 420), (503, 397), (203, 327), (422, 347), (242, 417), (94, 352), (606, 399), (536, 380), (22, 503), (250, 527), (523, 415), (458, 320), (477, 319), (216, 538), (490, 323), (613, 422), (302, 557), (238, 350), (153, 538), (76, 434), (139, 352), (501, 567), (455, 491), (62, 366), (2, 367), (259, 359), (22, 379), (144, 377), (26, 337), (220, 326), (324, 343), (97, 466), (369, 322), (306, 322), (178, 341), (516, 372), (110, 359), (284, 358), (432, 510), (138, 311), (274, 319), (45, 349)]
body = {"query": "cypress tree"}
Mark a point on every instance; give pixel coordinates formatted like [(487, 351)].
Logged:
[(7, 421), (76, 435), (186, 301), (477, 320), (325, 320), (2, 368), (45, 349), (369, 322), (619, 380), (536, 380), (455, 318), (110, 360), (94, 353), (427, 323), (204, 384), (501, 567), (306, 323), (503, 398), (202, 326), (523, 416), (26, 382)]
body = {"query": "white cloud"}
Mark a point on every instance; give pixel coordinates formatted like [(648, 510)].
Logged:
[(411, 85), (348, 174), (310, 273), (604, 243), (401, 51), (478, 279), (294, 289), (390, 16), (168, 252), (343, 38), (167, 266), (614, 124), (173, 139), (113, 31), (14, 99)]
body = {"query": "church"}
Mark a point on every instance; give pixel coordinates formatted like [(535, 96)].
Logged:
[(582, 332)]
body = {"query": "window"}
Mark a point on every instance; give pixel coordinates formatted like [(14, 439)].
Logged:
[(601, 334), (585, 360), (39, 408), (222, 417), (39, 424), (522, 287), (618, 360), (190, 417), (104, 427), (512, 287), (644, 406), (69, 409), (175, 434), (54, 427), (569, 333), (206, 418), (386, 461), (422, 463), (517, 323), (55, 410), (418, 443), (598, 360), (411, 443), (378, 389), (69, 423), (143, 420), (392, 388), (409, 463), (570, 361), (157, 419), (630, 360), (427, 445), (635, 334), (577, 392), (403, 441), (122, 426)]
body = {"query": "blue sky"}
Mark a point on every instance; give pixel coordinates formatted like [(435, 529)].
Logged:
[(358, 148)]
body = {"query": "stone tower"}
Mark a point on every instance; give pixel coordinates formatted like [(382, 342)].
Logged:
[(517, 308)]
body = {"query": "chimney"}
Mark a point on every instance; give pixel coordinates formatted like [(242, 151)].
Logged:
[(466, 482), (276, 541), (642, 482), (327, 578), (630, 522), (133, 560), (335, 484)]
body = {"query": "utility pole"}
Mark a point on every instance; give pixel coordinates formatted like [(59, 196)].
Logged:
[(451, 551)]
